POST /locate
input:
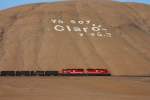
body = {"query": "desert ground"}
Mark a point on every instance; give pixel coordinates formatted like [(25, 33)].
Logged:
[(75, 88), (77, 34)]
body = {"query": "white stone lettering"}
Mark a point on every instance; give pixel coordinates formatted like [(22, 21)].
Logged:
[(108, 34), (82, 27), (81, 22), (88, 22), (59, 28), (72, 21), (96, 29), (99, 35), (53, 20), (60, 21), (68, 28), (81, 34), (85, 29), (77, 29)]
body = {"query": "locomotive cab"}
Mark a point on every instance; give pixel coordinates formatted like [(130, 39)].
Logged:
[(98, 72)]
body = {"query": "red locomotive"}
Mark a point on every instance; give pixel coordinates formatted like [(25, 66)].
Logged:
[(101, 72), (88, 72)]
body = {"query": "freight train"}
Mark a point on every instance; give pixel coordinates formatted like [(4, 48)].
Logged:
[(63, 72)]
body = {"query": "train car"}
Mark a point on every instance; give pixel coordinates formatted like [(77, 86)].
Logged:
[(72, 72), (7, 73), (97, 72), (51, 73), (22, 73)]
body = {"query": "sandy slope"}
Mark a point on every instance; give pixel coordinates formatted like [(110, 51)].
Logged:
[(75, 88), (29, 42)]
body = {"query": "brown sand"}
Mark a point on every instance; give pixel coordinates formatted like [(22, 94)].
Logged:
[(75, 88), (28, 41)]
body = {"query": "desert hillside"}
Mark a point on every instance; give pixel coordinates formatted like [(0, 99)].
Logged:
[(80, 33)]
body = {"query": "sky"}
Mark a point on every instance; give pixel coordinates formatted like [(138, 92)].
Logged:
[(4, 4), (139, 1)]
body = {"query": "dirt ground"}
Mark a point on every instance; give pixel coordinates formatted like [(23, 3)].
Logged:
[(75, 88), (29, 40)]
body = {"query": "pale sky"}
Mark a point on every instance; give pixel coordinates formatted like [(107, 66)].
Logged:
[(4, 4)]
